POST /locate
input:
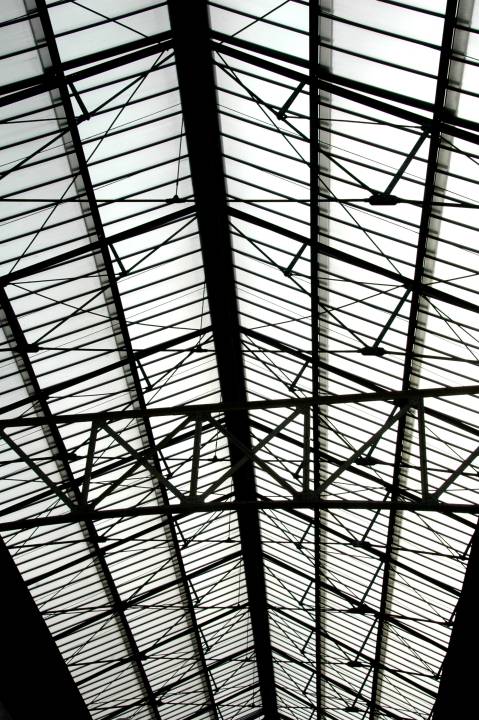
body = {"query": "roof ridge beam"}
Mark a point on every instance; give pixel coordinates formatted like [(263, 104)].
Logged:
[(191, 42)]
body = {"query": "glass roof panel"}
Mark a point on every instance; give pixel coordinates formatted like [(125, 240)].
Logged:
[(282, 533)]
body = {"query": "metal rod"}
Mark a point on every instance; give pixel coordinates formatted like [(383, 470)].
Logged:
[(422, 448), (395, 396), (400, 172), (195, 461), (297, 502), (370, 441), (454, 475)]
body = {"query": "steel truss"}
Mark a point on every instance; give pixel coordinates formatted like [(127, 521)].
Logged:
[(239, 464)]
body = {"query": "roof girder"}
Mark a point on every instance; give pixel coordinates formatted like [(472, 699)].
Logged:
[(42, 26), (412, 334), (198, 96)]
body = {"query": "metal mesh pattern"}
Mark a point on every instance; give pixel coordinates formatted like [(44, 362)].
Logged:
[(239, 348)]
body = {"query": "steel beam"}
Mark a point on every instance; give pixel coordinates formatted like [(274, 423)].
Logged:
[(190, 506), (94, 63), (369, 443), (456, 473), (425, 289), (122, 363), (377, 98), (95, 246), (241, 406), (402, 440), (361, 380), (43, 32), (43, 29), (198, 96)]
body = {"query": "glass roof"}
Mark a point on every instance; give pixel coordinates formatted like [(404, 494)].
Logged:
[(239, 348)]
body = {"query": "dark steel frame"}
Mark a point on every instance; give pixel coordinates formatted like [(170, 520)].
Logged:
[(214, 214)]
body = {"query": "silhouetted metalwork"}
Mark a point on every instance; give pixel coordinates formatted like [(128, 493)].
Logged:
[(240, 359)]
